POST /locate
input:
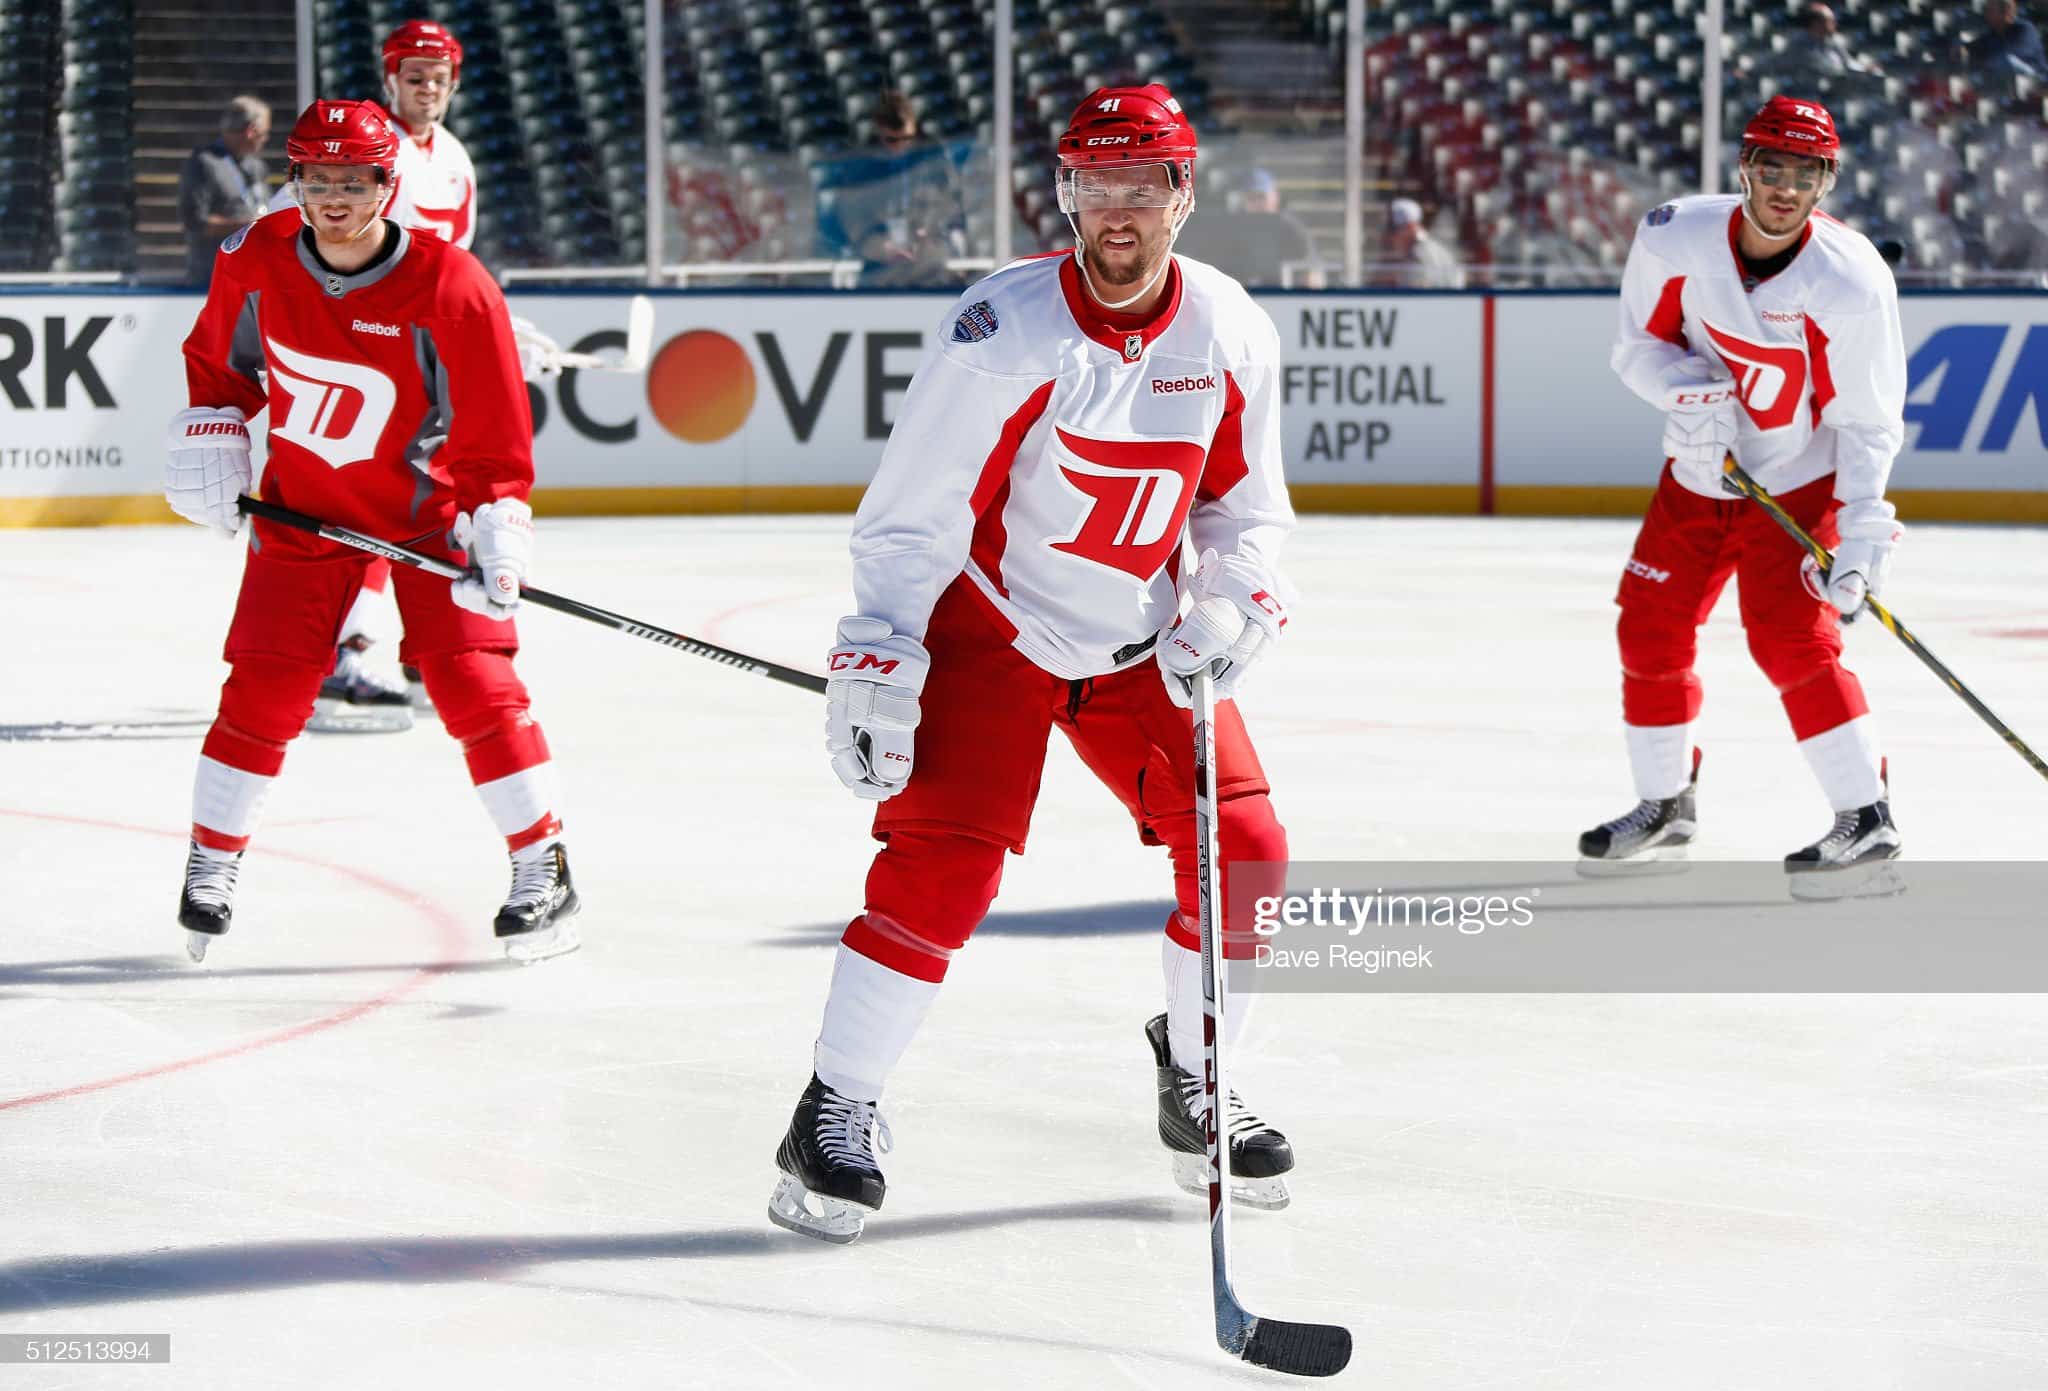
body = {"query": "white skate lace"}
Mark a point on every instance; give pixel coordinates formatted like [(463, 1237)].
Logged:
[(1194, 1099), (533, 879), (848, 1129), (210, 877)]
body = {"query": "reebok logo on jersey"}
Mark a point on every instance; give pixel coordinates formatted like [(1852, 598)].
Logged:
[(381, 330), (1774, 317), (1655, 576), (1174, 385)]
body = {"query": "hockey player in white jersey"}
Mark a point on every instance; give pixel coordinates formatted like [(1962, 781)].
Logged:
[(1763, 327), (1017, 568)]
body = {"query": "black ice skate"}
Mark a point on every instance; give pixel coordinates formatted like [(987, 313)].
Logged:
[(1853, 860), (1653, 839), (535, 922), (356, 698), (829, 1156), (1259, 1154), (207, 905)]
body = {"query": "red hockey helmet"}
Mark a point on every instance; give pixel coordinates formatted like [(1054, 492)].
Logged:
[(422, 38), (1126, 127), (1129, 125), (1793, 126), (344, 132)]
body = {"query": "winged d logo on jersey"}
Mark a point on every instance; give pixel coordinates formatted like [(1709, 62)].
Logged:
[(1769, 380), (1140, 492), (976, 322), (338, 409)]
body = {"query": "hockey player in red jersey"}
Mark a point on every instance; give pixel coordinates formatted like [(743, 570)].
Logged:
[(434, 195), (1015, 564), (1761, 326), (396, 409)]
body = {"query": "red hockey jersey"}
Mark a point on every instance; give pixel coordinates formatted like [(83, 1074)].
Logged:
[(395, 395)]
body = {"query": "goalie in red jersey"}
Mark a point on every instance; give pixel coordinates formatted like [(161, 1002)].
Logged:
[(397, 409)]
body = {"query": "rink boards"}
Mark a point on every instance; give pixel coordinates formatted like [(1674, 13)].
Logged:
[(780, 401)]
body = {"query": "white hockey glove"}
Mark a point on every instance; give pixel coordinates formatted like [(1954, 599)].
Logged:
[(209, 466), (1235, 614), (1701, 414), (539, 355), (1863, 558), (499, 539), (871, 710)]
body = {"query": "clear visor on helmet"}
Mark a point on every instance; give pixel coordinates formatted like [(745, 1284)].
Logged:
[(325, 184), (1121, 186)]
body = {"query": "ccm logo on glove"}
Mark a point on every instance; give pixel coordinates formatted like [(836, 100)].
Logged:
[(861, 661), (1692, 400)]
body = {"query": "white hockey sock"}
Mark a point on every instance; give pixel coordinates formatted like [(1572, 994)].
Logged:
[(228, 801), (373, 617), (1659, 758), (1845, 761), (871, 1014), (1183, 971), (522, 805)]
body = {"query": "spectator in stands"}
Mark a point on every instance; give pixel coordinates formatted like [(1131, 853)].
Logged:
[(2007, 47), (912, 217), (1413, 257), (224, 185), (1822, 51), (1255, 240)]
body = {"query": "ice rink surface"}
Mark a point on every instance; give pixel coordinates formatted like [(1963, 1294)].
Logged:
[(356, 1149)]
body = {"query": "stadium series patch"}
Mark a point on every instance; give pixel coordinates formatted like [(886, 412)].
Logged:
[(975, 323), (1661, 214), (236, 238)]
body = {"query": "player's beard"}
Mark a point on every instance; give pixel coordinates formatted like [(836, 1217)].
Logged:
[(1133, 266), (338, 235)]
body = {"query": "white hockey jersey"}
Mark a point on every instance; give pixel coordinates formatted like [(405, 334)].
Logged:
[(1816, 351), (1053, 451), (436, 187)]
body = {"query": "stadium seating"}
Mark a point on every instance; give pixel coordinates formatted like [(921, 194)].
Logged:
[(1543, 130), (1537, 131)]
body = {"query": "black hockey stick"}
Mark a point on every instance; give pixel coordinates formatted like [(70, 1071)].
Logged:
[(285, 516), (1303, 1349), (1736, 480)]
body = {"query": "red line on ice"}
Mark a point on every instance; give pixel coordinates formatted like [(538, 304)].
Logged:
[(451, 943)]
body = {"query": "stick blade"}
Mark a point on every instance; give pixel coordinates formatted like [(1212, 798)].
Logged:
[(1299, 1349)]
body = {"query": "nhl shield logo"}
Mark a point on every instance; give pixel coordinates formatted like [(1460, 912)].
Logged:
[(1134, 347)]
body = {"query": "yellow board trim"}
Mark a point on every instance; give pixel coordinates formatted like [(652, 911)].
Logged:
[(1411, 499)]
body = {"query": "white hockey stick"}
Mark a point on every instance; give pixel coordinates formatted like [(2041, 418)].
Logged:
[(639, 344), (1302, 1349)]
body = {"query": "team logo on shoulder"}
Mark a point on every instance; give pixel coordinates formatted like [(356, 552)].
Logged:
[(236, 238), (976, 322), (1661, 214)]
